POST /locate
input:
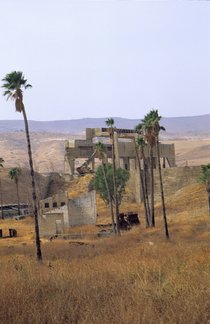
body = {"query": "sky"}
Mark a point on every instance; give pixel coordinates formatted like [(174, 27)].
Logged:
[(107, 58)]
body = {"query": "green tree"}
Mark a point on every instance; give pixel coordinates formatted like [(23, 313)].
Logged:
[(1, 166), (14, 83), (100, 186), (101, 152), (110, 124), (204, 177), (14, 174)]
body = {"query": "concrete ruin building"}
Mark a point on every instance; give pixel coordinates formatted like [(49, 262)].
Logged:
[(125, 153), (124, 150), (61, 211)]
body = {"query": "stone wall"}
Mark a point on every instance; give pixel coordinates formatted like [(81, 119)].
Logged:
[(55, 201), (173, 180), (82, 210), (49, 223), (176, 178)]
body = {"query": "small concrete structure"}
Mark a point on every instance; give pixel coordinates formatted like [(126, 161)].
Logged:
[(77, 211), (11, 210)]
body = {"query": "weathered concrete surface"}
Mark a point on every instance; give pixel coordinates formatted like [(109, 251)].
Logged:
[(77, 211), (48, 223), (173, 180), (124, 149), (55, 201), (82, 210)]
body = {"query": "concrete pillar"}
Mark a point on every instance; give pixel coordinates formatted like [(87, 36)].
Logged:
[(72, 165), (66, 165), (117, 159), (69, 167)]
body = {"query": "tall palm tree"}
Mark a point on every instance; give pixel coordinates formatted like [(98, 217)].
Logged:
[(2, 211), (147, 129), (141, 144), (110, 124), (100, 149), (14, 174), (155, 119), (143, 184), (14, 83), (152, 129)]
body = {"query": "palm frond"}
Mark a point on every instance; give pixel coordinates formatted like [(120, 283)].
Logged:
[(15, 80), (138, 128), (7, 93), (28, 86), (140, 141), (162, 128), (110, 122), (14, 173)]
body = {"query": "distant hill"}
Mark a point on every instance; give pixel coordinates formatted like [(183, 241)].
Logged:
[(175, 126)]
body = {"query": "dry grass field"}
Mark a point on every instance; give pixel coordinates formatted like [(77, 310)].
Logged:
[(136, 278)]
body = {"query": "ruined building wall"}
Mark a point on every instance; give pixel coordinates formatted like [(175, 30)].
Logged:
[(77, 211), (173, 180)]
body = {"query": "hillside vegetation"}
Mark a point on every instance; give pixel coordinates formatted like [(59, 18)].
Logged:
[(137, 278)]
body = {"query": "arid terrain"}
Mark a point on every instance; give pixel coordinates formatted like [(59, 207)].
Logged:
[(137, 278), (49, 148)]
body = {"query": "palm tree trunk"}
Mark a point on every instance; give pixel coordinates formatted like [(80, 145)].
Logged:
[(2, 211), (115, 187), (142, 188), (36, 221), (152, 209), (18, 198), (208, 191), (161, 190), (110, 199), (145, 183)]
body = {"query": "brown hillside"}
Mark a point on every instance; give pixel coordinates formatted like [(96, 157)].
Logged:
[(45, 185), (48, 150)]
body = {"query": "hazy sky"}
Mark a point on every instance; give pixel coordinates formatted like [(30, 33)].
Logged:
[(107, 58)]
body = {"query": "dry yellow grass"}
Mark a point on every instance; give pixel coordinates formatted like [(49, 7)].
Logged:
[(79, 185), (136, 278)]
